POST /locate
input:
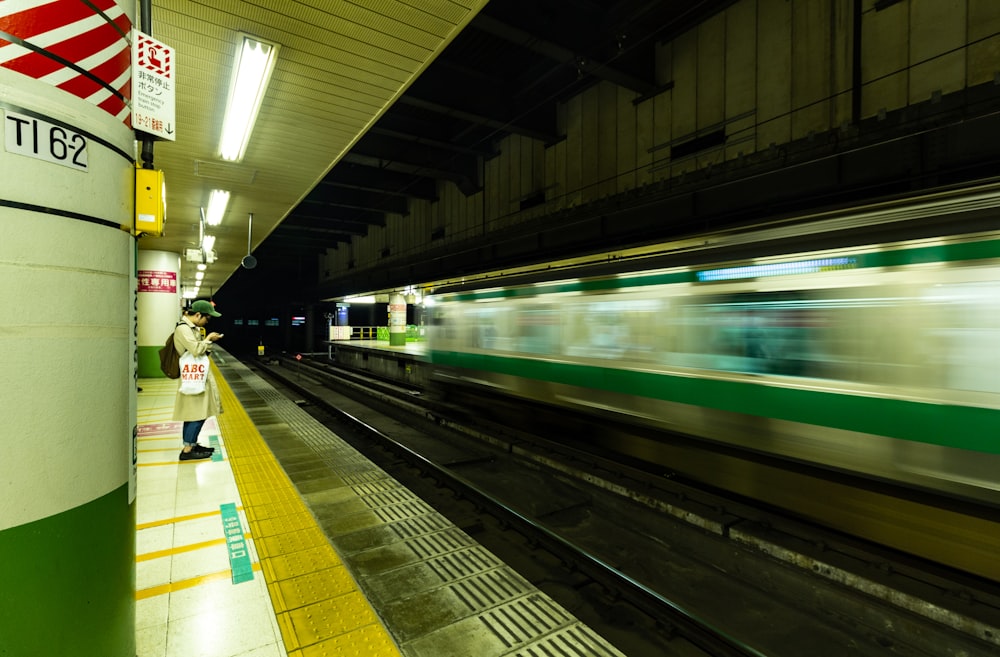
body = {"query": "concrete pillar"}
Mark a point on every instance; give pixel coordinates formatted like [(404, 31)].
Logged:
[(67, 334), (397, 320), (159, 306)]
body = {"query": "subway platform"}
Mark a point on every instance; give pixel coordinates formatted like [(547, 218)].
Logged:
[(289, 542)]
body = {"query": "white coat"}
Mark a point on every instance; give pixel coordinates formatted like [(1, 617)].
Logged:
[(189, 408)]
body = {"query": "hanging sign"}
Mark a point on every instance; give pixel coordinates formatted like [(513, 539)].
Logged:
[(153, 82)]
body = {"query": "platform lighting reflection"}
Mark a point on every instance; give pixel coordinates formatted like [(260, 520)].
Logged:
[(217, 203), (252, 68), (777, 269), (362, 298)]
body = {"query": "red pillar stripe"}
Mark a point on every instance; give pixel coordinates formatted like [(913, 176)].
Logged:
[(79, 44), (49, 16), (107, 71), (75, 49)]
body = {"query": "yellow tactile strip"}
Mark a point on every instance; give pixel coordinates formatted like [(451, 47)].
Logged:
[(320, 610)]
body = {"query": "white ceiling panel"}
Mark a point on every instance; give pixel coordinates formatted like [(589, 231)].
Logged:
[(339, 66)]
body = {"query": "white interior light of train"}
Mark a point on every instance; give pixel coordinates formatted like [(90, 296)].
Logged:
[(253, 66), (217, 203), (777, 269)]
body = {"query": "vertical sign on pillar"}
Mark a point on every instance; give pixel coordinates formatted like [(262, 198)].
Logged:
[(153, 104), (397, 320)]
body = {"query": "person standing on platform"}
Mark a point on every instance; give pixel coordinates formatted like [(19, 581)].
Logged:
[(194, 410)]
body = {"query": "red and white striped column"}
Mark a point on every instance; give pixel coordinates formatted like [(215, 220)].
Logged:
[(67, 333)]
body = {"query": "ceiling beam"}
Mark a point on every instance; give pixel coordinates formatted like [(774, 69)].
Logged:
[(583, 62), (327, 212), (359, 176), (466, 184), (433, 143), (479, 119), (356, 199), (320, 233)]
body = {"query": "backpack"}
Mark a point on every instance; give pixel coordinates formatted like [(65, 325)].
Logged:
[(170, 360)]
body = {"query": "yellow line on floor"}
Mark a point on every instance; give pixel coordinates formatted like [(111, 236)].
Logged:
[(295, 550), (180, 585), (176, 519), (159, 554)]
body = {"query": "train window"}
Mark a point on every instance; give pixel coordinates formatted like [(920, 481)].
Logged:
[(963, 331), (538, 330), (771, 333), (620, 328)]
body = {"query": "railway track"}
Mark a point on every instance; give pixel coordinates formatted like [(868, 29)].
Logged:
[(676, 543)]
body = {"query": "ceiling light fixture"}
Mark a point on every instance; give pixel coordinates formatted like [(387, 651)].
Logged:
[(217, 203), (252, 68), (208, 243)]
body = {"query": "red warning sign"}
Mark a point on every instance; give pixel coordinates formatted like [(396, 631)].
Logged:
[(154, 56)]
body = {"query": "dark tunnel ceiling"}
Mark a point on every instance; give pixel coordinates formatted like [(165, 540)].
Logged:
[(504, 74)]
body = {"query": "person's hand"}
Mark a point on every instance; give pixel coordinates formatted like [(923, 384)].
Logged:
[(213, 336)]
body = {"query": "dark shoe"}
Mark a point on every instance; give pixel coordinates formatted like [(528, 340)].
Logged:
[(202, 448), (195, 454)]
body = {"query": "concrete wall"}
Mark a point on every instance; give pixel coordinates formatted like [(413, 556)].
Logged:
[(767, 72)]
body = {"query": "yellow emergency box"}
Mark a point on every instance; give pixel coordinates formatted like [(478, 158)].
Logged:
[(150, 201)]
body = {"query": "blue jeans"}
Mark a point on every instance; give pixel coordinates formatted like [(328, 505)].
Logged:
[(191, 431)]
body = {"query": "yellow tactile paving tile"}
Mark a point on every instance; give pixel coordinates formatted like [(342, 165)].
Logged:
[(313, 587), (331, 617), (320, 611), (365, 642)]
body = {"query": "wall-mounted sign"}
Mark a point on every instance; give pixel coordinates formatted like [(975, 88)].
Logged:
[(157, 281), (32, 137)]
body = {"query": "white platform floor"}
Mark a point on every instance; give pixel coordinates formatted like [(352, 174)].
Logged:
[(186, 602)]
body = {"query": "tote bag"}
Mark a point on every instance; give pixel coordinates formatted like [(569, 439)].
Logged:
[(194, 370)]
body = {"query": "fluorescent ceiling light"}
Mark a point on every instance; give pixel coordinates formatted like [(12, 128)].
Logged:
[(252, 68), (217, 203), (202, 266), (199, 276), (208, 243)]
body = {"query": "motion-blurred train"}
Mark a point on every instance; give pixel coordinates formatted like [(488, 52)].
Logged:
[(866, 341)]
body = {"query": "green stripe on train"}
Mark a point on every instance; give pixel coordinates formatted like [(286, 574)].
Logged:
[(67, 582), (962, 427), (957, 252)]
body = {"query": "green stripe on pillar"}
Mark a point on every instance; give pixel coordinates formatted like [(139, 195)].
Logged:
[(67, 582), (149, 362)]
